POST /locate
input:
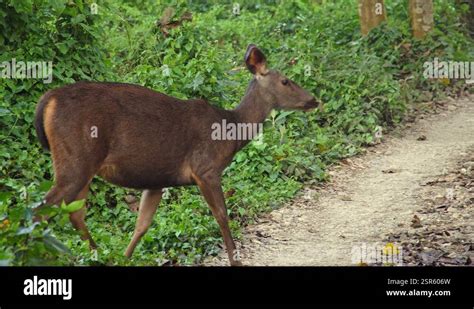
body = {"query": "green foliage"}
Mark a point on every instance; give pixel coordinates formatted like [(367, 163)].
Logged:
[(366, 84), (25, 241)]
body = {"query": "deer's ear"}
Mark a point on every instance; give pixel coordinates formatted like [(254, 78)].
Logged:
[(255, 60)]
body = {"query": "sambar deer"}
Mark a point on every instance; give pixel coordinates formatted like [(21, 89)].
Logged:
[(147, 140)]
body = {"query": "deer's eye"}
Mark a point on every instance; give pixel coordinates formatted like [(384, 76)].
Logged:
[(285, 82)]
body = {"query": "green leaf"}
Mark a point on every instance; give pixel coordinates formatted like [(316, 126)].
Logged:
[(57, 5), (4, 196), (4, 111), (74, 206), (55, 244), (45, 185), (26, 230), (62, 47), (22, 6), (77, 19), (5, 262)]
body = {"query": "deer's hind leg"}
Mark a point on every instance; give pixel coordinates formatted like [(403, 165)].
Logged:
[(70, 190), (71, 183), (77, 219)]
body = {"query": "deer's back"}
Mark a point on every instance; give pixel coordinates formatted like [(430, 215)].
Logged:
[(136, 136)]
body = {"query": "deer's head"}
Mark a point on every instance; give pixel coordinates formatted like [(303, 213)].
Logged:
[(276, 88)]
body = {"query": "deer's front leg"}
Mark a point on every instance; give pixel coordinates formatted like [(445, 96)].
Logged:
[(211, 189), (148, 204)]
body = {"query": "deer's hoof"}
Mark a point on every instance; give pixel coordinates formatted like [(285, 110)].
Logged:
[(236, 263)]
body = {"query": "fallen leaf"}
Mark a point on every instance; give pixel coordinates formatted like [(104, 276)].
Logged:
[(391, 171), (416, 222), (260, 234), (346, 198)]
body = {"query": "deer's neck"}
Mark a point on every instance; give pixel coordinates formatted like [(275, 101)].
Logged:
[(253, 109)]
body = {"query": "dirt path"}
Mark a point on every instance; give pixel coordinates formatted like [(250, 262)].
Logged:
[(368, 197)]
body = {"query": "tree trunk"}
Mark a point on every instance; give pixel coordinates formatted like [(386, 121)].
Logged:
[(467, 17), (371, 14), (421, 14)]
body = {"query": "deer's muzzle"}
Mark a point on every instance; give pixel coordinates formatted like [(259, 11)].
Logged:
[(311, 104)]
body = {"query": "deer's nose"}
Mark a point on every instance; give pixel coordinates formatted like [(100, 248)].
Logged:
[(311, 104)]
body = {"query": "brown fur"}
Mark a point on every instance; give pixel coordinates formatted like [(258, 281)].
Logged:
[(148, 140)]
